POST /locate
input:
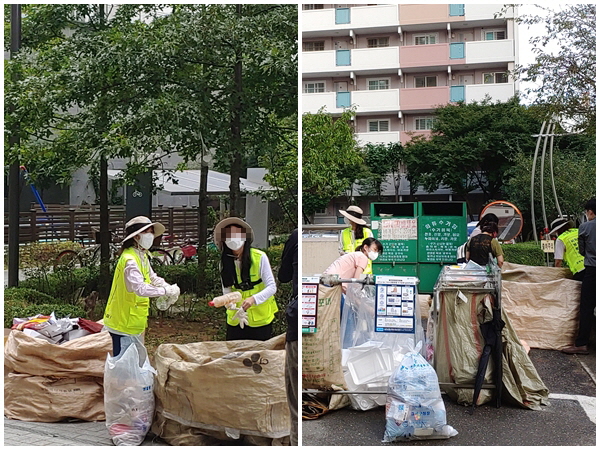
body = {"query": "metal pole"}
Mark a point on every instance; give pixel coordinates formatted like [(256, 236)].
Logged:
[(552, 174), (537, 146), (543, 203), (14, 171)]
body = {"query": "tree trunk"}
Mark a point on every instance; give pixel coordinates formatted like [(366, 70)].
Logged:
[(104, 282), (202, 229), (236, 133)]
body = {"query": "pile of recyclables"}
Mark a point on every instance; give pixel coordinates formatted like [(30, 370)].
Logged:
[(53, 330)]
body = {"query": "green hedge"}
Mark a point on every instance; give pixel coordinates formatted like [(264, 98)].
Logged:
[(527, 253), (26, 295)]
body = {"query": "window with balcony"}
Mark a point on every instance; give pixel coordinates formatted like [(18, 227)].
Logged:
[(309, 7), (314, 46), (424, 123), (374, 84), (426, 39), (378, 42), (376, 126), (494, 35), (495, 77), (314, 87), (425, 82)]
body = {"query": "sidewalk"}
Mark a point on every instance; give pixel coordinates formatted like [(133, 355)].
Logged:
[(17, 432)]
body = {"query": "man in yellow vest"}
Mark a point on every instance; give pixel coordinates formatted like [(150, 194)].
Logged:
[(566, 248), (126, 314)]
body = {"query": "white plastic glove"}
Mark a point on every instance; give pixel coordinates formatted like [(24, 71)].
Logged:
[(165, 301), (159, 282), (242, 316)]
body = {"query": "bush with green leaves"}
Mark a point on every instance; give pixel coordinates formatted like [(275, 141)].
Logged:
[(527, 253), (26, 295)]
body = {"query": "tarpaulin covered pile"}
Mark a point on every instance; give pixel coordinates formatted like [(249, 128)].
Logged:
[(225, 390), (542, 303), (45, 382)]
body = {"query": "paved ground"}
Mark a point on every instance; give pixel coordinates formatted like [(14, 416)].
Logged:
[(75, 433), (570, 419)]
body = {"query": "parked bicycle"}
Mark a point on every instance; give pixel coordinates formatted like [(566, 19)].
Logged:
[(87, 256)]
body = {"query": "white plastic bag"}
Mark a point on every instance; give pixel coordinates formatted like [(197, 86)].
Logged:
[(129, 395), (415, 409)]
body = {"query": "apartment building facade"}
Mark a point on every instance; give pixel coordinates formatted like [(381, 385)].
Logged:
[(397, 63)]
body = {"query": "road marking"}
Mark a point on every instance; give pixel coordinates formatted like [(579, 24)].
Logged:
[(587, 403), (589, 372)]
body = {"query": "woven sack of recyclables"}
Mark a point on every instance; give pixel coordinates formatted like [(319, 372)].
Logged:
[(234, 387)]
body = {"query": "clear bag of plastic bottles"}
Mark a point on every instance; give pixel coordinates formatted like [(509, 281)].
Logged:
[(414, 408), (129, 395)]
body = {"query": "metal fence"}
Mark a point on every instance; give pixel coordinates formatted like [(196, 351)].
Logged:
[(80, 223)]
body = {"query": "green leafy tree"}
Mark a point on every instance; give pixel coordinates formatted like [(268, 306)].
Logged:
[(331, 159), (565, 63), (381, 160), (574, 161), (472, 146)]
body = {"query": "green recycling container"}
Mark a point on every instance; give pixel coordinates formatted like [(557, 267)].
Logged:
[(428, 274), (442, 229), (395, 225), (397, 269)]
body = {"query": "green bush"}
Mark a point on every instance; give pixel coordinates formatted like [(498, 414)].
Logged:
[(527, 253), (26, 295), (18, 308), (64, 285)]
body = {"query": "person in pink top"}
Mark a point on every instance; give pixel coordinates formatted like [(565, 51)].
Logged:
[(352, 265)]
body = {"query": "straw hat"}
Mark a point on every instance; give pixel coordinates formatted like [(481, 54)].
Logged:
[(559, 224), (354, 213), (231, 221), (146, 223)]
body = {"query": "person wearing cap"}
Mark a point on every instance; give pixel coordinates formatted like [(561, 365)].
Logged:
[(134, 282), (352, 237), (587, 248), (566, 247), (248, 271)]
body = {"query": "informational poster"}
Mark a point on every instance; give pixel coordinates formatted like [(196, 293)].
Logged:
[(396, 297), (310, 300), (398, 229), (441, 238)]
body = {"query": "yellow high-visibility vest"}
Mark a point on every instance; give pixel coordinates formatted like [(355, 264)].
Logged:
[(349, 244), (258, 315), (125, 311), (572, 257)]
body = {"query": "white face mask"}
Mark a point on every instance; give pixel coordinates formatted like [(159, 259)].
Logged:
[(146, 240), (373, 255), (235, 243), (346, 221)]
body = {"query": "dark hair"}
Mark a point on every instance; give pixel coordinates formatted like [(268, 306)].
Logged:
[(591, 205), (368, 241), (490, 227), (488, 218), (359, 231), (228, 273)]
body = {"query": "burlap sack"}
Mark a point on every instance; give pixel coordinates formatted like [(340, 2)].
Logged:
[(545, 315), (533, 274), (236, 387), (51, 399), (83, 357), (321, 351)]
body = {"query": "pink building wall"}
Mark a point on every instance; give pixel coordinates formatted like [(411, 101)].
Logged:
[(424, 98), (427, 55), (422, 13)]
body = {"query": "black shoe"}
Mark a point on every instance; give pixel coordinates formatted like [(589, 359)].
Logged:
[(574, 350)]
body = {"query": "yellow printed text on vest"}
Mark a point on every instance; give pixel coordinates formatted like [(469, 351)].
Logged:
[(574, 260), (126, 311), (258, 315)]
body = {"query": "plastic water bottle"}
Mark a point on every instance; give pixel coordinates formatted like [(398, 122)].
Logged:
[(222, 300)]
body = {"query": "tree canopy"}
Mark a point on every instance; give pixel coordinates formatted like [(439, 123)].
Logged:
[(381, 160), (565, 63), (330, 159)]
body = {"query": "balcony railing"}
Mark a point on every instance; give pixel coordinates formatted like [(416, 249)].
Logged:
[(377, 138), (498, 92), (424, 98), (350, 18), (406, 136), (489, 51), (362, 59), (385, 100), (430, 55)]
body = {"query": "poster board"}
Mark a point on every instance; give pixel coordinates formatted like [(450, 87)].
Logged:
[(310, 294), (395, 304)]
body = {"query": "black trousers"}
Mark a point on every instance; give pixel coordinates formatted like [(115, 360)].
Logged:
[(237, 333), (586, 306)]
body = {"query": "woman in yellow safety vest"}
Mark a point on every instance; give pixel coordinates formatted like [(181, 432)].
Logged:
[(248, 271), (351, 238), (126, 314)]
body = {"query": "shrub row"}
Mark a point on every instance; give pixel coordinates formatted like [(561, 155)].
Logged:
[(527, 253)]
